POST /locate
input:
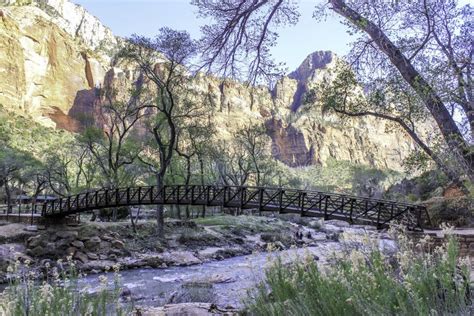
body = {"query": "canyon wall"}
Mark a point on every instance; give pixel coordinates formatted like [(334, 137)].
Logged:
[(54, 54)]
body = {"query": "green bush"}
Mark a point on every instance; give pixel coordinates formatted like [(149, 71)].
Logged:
[(414, 282), (59, 295)]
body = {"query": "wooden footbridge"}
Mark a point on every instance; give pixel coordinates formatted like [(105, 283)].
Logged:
[(265, 199)]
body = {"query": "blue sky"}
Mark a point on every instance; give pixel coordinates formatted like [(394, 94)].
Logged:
[(145, 17)]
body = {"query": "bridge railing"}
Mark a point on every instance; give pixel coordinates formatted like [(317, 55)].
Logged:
[(306, 203)]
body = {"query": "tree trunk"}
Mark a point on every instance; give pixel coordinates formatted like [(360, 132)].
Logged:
[(131, 218), (201, 167), (160, 220), (432, 101), (9, 198)]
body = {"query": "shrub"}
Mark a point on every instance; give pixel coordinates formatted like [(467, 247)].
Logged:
[(366, 282), (59, 295)]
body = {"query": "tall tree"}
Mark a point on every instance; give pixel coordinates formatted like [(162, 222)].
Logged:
[(13, 165), (169, 80), (253, 139), (111, 142), (427, 44)]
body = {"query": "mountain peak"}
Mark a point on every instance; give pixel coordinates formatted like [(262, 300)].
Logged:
[(315, 60)]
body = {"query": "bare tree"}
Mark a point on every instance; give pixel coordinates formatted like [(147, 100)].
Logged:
[(168, 78), (253, 139), (111, 143), (427, 44)]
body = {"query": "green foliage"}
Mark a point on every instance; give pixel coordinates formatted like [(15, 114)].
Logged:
[(59, 295), (339, 176), (368, 283), (458, 211), (23, 133)]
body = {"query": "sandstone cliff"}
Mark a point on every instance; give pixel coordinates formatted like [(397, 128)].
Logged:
[(54, 54)]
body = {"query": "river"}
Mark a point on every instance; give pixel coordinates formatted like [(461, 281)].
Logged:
[(224, 282)]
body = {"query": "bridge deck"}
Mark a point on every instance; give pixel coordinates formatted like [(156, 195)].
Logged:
[(306, 203)]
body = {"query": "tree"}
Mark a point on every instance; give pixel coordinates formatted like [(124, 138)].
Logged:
[(169, 81), (253, 139), (110, 142), (395, 103), (425, 44), (69, 168), (13, 163), (245, 158)]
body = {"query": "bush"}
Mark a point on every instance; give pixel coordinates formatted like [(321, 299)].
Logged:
[(365, 282), (458, 211), (59, 295)]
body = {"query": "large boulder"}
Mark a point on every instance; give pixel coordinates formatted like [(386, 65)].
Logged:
[(93, 243)]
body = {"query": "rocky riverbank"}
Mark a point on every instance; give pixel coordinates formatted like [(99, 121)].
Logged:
[(95, 247)]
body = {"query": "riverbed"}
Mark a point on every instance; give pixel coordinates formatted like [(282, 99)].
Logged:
[(224, 282)]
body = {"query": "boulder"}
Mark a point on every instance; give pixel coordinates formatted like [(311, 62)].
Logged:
[(81, 257), (93, 243), (51, 249), (107, 238), (118, 244), (71, 251), (31, 228), (66, 234), (100, 265), (37, 251), (35, 241), (194, 292), (92, 256), (179, 258), (104, 247), (195, 309), (78, 244)]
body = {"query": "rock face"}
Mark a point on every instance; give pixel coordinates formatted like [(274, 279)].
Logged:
[(55, 54)]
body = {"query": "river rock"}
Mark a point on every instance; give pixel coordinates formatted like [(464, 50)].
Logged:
[(93, 243), (104, 246), (81, 257), (100, 265), (92, 256), (31, 228), (194, 292), (51, 249), (118, 244), (78, 244), (337, 223), (35, 241), (179, 258), (71, 251), (194, 309), (36, 251), (209, 253), (107, 238), (215, 279), (388, 246), (66, 234)]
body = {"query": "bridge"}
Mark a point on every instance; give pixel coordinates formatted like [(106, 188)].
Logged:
[(265, 199)]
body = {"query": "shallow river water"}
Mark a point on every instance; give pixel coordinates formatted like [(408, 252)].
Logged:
[(230, 278)]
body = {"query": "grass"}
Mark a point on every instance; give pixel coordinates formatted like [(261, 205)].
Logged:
[(365, 282), (247, 223), (59, 295)]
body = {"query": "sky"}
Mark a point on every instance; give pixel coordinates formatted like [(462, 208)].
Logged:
[(145, 17)]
